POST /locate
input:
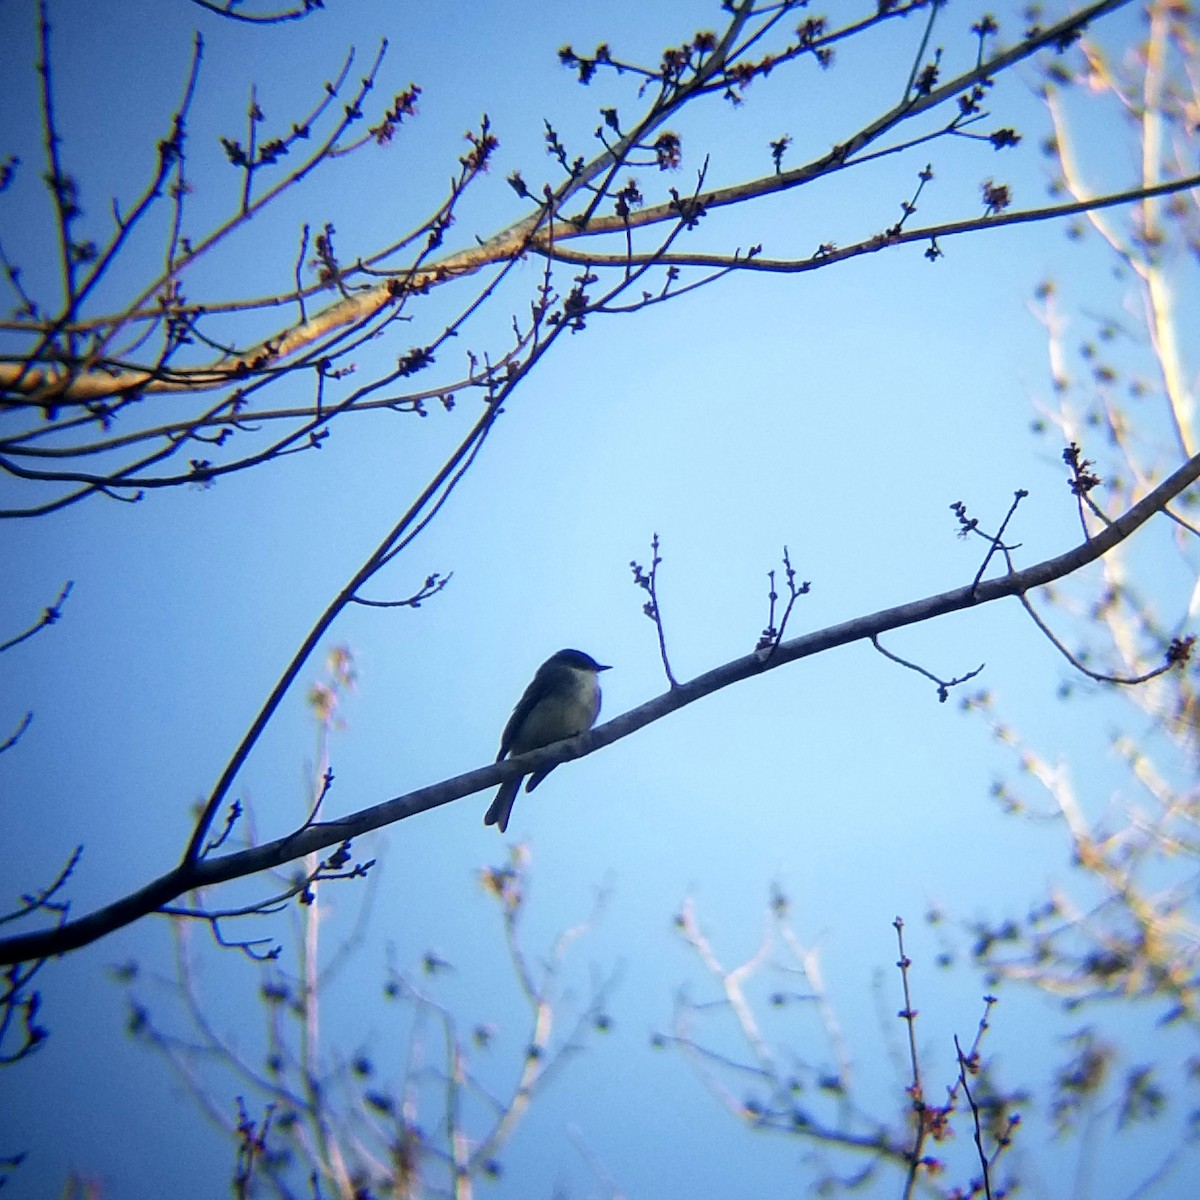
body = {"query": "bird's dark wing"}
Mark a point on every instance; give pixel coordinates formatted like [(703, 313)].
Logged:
[(528, 701)]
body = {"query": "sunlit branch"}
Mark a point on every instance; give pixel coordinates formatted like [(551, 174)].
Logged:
[(318, 156), (305, 436), (843, 155), (27, 377), (510, 241), (827, 255)]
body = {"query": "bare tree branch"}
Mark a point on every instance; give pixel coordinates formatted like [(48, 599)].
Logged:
[(230, 9), (196, 871), (76, 378)]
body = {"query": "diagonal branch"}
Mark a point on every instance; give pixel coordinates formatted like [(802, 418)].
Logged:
[(525, 233), (827, 255), (194, 872)]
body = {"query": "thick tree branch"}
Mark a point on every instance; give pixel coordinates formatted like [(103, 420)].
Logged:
[(826, 256), (199, 872), (524, 234), (843, 154)]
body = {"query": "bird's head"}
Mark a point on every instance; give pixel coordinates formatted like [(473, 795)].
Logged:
[(575, 659)]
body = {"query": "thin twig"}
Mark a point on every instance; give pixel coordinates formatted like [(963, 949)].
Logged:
[(916, 1092), (965, 1063), (50, 614), (943, 685), (648, 582)]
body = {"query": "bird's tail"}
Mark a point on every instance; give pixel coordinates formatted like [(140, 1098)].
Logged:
[(501, 808)]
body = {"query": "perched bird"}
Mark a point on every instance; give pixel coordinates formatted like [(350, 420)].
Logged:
[(562, 701)]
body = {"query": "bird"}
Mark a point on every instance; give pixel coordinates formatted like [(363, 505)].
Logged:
[(563, 700)]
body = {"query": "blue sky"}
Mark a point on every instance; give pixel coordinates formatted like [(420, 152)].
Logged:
[(839, 413)]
